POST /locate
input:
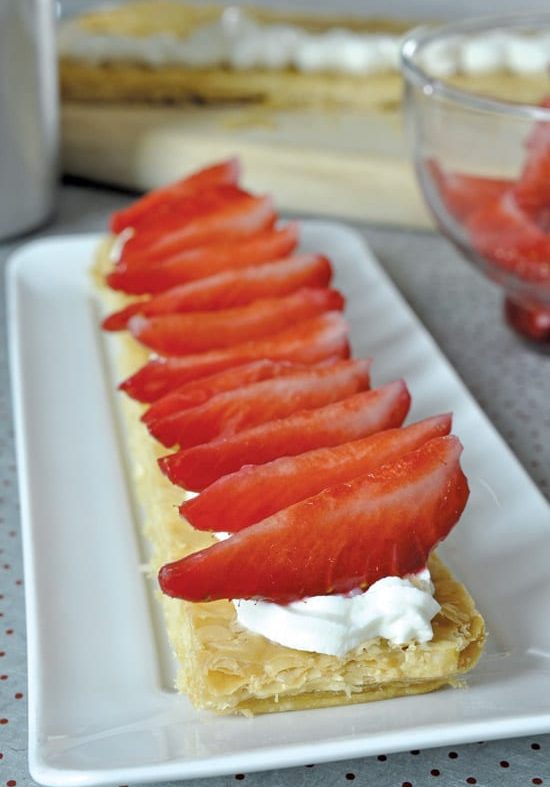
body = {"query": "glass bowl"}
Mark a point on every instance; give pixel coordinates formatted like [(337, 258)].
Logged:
[(478, 112)]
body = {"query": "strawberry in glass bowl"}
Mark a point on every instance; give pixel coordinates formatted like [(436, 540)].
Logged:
[(478, 108)]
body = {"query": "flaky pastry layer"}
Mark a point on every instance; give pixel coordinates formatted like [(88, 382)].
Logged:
[(227, 669)]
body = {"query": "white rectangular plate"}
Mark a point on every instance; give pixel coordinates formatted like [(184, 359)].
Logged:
[(99, 708)]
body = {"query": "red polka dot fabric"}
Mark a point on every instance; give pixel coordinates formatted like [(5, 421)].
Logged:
[(512, 384)]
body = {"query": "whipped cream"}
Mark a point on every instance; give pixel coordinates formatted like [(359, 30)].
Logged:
[(399, 610), (238, 42)]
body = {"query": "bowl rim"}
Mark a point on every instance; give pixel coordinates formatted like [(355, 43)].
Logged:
[(423, 35)]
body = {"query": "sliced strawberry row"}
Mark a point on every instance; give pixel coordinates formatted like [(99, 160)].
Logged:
[(356, 416), (231, 288), (254, 492), (182, 334), (146, 208), (228, 413), (308, 342), (310, 464), (350, 535), (140, 276)]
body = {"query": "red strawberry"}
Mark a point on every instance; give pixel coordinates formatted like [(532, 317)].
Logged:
[(225, 173), (223, 212), (181, 334), (308, 342), (141, 276), (254, 492), (513, 232), (199, 391), (118, 321), (384, 523), (354, 417), (231, 288), (532, 191), (464, 194), (230, 412), (505, 235)]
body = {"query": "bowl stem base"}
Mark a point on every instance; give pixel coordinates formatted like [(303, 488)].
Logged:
[(530, 320)]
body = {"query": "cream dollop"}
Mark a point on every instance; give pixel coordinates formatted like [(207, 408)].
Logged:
[(399, 610)]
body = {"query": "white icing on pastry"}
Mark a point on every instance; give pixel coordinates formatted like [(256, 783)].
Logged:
[(236, 41)]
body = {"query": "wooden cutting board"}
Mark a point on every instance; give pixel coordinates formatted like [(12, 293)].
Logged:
[(355, 165)]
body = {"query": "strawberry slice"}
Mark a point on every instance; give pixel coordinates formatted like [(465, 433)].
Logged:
[(199, 391), (254, 492), (139, 276), (231, 288), (224, 212), (357, 416), (504, 234), (230, 412), (308, 342), (384, 523), (180, 334), (225, 173), (183, 209), (532, 191), (465, 194)]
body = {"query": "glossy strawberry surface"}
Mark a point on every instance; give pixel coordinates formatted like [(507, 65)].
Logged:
[(199, 391), (357, 416), (231, 288), (465, 194), (140, 275), (183, 334), (308, 342), (532, 191), (223, 213), (233, 411), (508, 237), (384, 523), (254, 492), (149, 206)]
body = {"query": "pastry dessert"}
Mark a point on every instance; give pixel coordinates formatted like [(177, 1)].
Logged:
[(168, 51), (172, 52), (331, 509)]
